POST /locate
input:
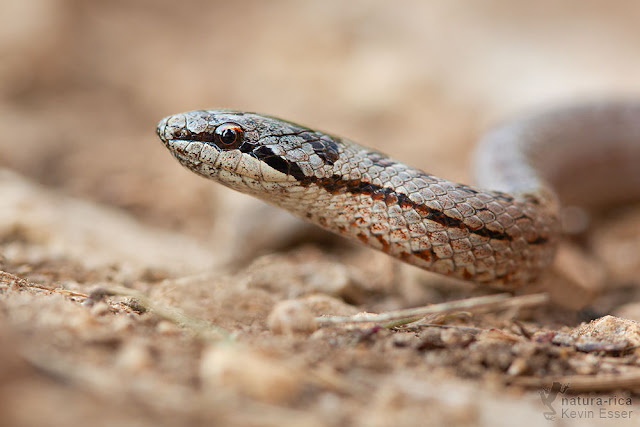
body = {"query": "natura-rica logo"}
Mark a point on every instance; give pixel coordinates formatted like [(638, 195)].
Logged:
[(549, 395)]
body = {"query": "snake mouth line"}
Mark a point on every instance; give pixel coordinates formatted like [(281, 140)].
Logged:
[(207, 160)]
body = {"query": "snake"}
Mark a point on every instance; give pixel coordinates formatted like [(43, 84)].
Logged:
[(502, 231)]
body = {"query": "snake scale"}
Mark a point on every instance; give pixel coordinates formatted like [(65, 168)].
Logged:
[(502, 232)]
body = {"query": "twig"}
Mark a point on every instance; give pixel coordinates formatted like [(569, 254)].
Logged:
[(487, 303), (200, 327), (468, 329), (9, 279)]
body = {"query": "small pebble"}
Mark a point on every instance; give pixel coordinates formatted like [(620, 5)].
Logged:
[(291, 317), (250, 373), (134, 357), (167, 328), (100, 309)]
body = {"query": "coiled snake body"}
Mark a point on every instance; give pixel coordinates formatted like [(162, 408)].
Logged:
[(501, 232)]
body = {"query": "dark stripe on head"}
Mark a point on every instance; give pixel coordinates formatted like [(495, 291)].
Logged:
[(279, 163), (381, 160), (326, 149), (323, 146), (203, 136)]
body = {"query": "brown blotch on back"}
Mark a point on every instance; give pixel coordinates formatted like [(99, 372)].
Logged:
[(390, 199), (383, 242), (363, 238), (426, 255), (378, 195), (466, 274)]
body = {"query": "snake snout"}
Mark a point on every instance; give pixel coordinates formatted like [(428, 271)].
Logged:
[(162, 126), (172, 127)]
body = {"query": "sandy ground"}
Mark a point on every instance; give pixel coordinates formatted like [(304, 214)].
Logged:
[(216, 293)]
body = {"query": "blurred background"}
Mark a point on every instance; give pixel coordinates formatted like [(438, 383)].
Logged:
[(82, 87), (83, 83)]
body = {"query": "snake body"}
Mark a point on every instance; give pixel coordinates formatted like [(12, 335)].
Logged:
[(502, 233)]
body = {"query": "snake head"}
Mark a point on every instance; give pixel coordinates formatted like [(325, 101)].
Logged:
[(247, 151)]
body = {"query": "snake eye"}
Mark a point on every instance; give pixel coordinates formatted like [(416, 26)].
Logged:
[(228, 135)]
